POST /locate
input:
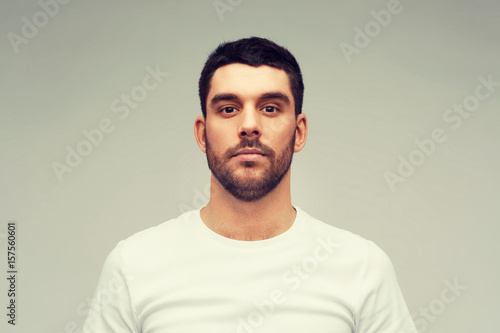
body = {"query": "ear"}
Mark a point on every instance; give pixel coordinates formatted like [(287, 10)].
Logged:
[(300, 132), (199, 132)]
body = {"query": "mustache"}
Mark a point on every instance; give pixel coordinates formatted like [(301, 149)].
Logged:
[(250, 143)]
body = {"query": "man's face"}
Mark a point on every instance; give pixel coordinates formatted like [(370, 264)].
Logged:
[(250, 129)]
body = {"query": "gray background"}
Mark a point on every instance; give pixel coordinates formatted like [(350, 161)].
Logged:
[(440, 224)]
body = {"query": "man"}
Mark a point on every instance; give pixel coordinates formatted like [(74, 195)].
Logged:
[(248, 261)]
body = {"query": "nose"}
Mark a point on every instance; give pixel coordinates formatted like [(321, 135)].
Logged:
[(250, 124)]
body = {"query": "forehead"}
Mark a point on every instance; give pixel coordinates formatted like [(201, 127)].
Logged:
[(243, 79)]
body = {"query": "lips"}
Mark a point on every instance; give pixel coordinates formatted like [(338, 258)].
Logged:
[(249, 151), (249, 155)]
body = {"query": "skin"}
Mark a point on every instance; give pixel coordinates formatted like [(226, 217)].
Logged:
[(250, 114)]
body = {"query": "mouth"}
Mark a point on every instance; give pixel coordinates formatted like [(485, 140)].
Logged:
[(249, 155), (249, 152)]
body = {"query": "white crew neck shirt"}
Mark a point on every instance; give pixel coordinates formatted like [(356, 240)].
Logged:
[(182, 277)]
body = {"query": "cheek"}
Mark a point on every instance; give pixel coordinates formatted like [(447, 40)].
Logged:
[(280, 126), (217, 137), (280, 132)]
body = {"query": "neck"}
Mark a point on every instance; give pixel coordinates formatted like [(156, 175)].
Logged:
[(249, 221)]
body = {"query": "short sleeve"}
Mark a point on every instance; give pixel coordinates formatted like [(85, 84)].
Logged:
[(381, 306), (111, 309)]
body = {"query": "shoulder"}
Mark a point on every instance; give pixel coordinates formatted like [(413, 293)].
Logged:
[(171, 229), (361, 251), (156, 242)]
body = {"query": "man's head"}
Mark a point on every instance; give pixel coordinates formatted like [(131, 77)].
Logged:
[(250, 127), (254, 51)]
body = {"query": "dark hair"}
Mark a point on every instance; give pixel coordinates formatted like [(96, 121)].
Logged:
[(253, 51)]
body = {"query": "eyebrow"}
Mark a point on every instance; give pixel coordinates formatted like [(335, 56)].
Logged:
[(231, 97), (276, 95), (222, 97)]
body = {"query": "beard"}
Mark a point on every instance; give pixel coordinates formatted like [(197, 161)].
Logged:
[(244, 187)]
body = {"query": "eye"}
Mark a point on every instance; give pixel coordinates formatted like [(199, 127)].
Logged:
[(228, 109), (270, 109)]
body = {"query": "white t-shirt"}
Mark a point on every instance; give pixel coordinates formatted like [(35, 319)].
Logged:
[(182, 277)]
